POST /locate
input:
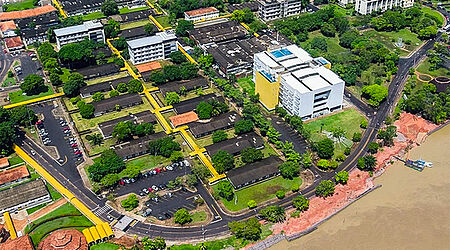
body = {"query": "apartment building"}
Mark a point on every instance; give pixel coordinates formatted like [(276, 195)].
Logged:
[(152, 48), (274, 9), (303, 85), (344, 3), (91, 30), (366, 7), (200, 14)]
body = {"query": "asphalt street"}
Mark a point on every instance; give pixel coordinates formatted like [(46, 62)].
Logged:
[(219, 225), (5, 62)]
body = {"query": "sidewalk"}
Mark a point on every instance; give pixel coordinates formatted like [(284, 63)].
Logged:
[(21, 224)]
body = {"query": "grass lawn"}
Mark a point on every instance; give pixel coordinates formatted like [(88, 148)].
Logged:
[(19, 5), (332, 42), (193, 93), (424, 67), (105, 246), (34, 209), (148, 161), (65, 75), (198, 216), (17, 96), (128, 10), (85, 124), (260, 192), (93, 15), (53, 193), (9, 81), (163, 20), (97, 149), (434, 13), (207, 140), (387, 37), (247, 84), (56, 220), (108, 78), (126, 26), (14, 159)]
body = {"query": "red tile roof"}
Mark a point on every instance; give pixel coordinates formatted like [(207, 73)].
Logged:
[(69, 239), (200, 11), (13, 42), (26, 13), (148, 66), (13, 174), (8, 25), (184, 118), (22, 243), (4, 162)]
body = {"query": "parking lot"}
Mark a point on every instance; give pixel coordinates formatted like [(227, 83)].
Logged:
[(58, 135), (167, 205), (29, 66)]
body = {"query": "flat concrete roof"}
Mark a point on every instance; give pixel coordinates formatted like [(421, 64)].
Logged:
[(78, 28)]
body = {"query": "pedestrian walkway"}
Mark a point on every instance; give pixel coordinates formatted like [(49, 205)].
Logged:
[(102, 210), (44, 98)]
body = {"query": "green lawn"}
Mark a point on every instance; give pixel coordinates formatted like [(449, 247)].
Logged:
[(97, 149), (387, 37), (108, 78), (434, 13), (19, 5), (34, 209), (105, 246), (9, 81), (163, 20), (126, 26), (332, 42), (84, 124), (198, 216), (53, 193), (424, 67), (55, 220), (148, 161), (260, 192), (267, 151), (93, 15), (128, 10), (207, 140), (247, 84), (65, 75), (14, 159), (17, 96)]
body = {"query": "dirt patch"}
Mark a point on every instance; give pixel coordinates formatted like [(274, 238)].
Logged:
[(272, 189), (412, 126)]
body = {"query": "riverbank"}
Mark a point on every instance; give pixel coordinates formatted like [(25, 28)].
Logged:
[(410, 211)]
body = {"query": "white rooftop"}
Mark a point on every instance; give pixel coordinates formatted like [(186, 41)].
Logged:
[(150, 40), (85, 27)]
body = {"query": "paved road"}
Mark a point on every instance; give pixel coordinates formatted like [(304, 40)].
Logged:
[(29, 66), (219, 225), (5, 62)]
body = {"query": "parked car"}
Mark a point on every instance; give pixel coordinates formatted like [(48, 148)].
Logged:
[(170, 168), (147, 212), (74, 145)]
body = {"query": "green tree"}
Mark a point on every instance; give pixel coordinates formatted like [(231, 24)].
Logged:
[(46, 51), (164, 146), (306, 159), (204, 110), (243, 16), (110, 180), (177, 57), (172, 98), (223, 161), (158, 78), (363, 123), (323, 164), (251, 154), (225, 190), (247, 230), (328, 30), (130, 203), (95, 139), (243, 126), (87, 111), (319, 43), (183, 27), (112, 28), (33, 85), (135, 86), (339, 134), (109, 162), (176, 156), (301, 203), (289, 169), (373, 147), (219, 135), (205, 61), (367, 163), (110, 7), (98, 96), (357, 137), (7, 137), (149, 28), (325, 148), (375, 94), (325, 188), (252, 204), (157, 244), (273, 213), (74, 83), (131, 171), (387, 135), (122, 87), (191, 180), (273, 135), (341, 177), (280, 194), (113, 93), (55, 79)]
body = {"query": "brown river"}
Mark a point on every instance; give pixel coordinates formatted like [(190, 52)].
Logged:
[(410, 211)]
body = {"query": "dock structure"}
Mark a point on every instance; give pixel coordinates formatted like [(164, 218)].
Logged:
[(418, 165)]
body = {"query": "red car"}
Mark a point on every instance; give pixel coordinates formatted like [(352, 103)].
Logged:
[(78, 152), (158, 170), (66, 128), (39, 122), (150, 189), (74, 145), (121, 182)]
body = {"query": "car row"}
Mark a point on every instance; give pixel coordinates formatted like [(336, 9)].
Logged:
[(43, 133), (71, 141)]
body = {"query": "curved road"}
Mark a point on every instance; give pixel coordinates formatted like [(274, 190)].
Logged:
[(219, 224)]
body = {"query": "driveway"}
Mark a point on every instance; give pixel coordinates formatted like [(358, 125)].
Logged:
[(169, 205), (288, 134)]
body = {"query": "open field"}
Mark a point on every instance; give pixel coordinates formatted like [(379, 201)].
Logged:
[(148, 161), (390, 38), (163, 20), (199, 216), (17, 96), (247, 84), (260, 192), (19, 5), (128, 10), (424, 68), (93, 15)]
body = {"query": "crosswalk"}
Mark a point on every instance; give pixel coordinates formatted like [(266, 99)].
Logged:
[(102, 210)]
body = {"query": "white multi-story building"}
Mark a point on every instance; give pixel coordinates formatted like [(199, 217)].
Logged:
[(366, 7), (152, 48), (91, 30), (344, 3), (291, 78), (200, 14), (273, 9)]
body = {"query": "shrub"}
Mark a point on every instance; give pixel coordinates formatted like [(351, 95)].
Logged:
[(363, 123), (130, 203), (356, 137), (323, 164), (280, 194), (252, 204), (295, 188)]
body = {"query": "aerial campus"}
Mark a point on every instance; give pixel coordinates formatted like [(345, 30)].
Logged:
[(198, 124)]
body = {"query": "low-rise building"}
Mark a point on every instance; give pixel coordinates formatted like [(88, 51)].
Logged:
[(107, 128), (137, 147), (221, 122), (89, 90), (191, 104), (134, 33), (38, 11), (83, 7), (201, 14), (14, 44), (24, 196), (303, 85), (8, 29), (253, 6), (254, 172), (91, 30), (13, 176), (274, 9), (4, 163), (366, 7), (152, 48), (207, 36), (183, 119), (37, 32), (187, 85), (135, 16), (235, 145), (22, 243), (117, 102), (101, 70)]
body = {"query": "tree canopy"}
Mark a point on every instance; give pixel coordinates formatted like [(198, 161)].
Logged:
[(325, 188), (219, 135), (182, 216), (109, 162), (243, 126), (225, 190), (289, 169), (222, 161), (301, 203), (74, 83), (325, 148), (164, 146), (251, 154), (375, 94), (33, 85), (248, 230), (273, 213), (110, 7)]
